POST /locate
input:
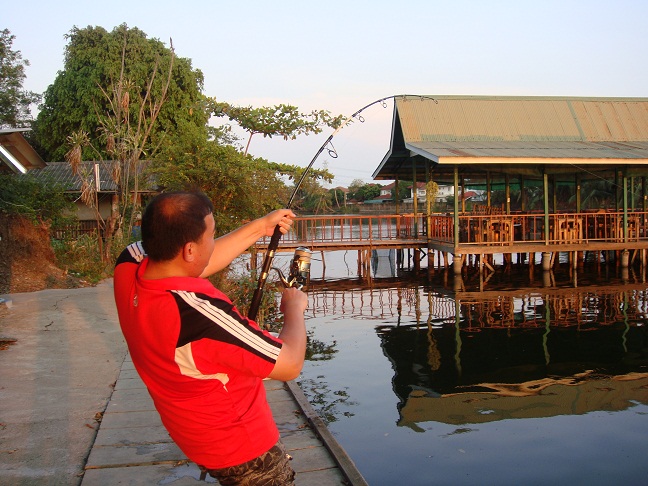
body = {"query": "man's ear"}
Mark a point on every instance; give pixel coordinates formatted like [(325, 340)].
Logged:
[(188, 252)]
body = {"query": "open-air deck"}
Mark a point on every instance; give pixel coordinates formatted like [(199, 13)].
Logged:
[(480, 233)]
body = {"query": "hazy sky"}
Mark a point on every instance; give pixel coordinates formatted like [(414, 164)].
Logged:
[(342, 55)]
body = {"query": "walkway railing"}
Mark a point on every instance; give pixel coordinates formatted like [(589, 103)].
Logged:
[(474, 229), (333, 229)]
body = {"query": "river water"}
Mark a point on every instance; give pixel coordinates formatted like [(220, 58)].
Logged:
[(517, 378)]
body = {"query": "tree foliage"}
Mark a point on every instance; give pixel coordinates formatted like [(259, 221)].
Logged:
[(311, 196), (14, 100), (122, 97), (286, 121), (317, 200), (354, 187), (42, 202), (361, 191), (83, 90), (128, 123), (401, 190), (241, 187)]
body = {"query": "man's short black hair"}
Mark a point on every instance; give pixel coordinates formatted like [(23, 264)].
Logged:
[(171, 220)]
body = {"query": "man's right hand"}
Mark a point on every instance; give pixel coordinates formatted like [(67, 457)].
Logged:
[(293, 334)]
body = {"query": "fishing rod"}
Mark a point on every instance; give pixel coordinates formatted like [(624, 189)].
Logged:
[(299, 260)]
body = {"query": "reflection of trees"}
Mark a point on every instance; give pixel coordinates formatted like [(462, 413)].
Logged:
[(317, 350), (496, 342), (594, 194), (330, 405), (478, 341), (597, 194), (327, 402), (453, 358)]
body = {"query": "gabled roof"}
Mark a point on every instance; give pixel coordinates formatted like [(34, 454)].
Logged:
[(61, 173), (16, 153), (419, 185), (516, 135)]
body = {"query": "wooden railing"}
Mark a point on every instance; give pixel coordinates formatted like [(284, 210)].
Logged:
[(474, 229), (583, 227), (74, 231), (355, 228)]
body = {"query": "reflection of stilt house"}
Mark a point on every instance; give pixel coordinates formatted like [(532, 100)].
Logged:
[(524, 354)]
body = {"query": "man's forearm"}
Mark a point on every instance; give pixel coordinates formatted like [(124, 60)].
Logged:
[(291, 358), (231, 245)]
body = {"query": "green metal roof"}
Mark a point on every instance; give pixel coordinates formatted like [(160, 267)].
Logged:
[(515, 135)]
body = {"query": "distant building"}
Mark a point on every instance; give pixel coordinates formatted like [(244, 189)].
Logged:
[(103, 183)]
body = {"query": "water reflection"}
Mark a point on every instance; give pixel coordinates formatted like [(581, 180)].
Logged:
[(452, 377), (548, 351), (384, 263), (466, 375)]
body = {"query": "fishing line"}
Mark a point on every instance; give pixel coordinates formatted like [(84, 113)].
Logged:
[(596, 176)]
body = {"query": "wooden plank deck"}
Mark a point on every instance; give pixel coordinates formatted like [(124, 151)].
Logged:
[(132, 447)]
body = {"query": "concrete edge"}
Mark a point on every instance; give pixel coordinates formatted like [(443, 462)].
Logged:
[(340, 456)]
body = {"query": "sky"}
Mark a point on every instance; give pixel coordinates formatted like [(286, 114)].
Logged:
[(343, 55)]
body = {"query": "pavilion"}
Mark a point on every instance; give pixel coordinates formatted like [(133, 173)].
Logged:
[(561, 173)]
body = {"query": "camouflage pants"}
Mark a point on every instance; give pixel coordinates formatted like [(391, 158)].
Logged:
[(271, 468)]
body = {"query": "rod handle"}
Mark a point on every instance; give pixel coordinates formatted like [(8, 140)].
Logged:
[(258, 292)]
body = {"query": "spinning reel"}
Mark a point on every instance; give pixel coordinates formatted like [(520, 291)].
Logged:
[(299, 269)]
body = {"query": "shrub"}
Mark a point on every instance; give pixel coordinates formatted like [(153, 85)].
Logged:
[(240, 288), (42, 202)]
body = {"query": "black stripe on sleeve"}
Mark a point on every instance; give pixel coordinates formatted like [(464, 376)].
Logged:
[(133, 253), (204, 317)]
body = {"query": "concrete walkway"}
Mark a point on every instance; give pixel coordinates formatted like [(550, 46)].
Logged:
[(133, 448), (74, 411), (55, 378)]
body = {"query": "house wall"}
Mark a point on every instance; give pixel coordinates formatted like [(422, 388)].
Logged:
[(86, 213)]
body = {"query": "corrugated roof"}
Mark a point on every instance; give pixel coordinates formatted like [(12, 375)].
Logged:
[(61, 173), (532, 149), (475, 130), (523, 119)]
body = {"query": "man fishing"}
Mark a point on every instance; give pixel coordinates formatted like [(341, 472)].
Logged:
[(201, 360)]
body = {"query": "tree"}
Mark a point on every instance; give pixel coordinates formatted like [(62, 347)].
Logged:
[(42, 202), (123, 97), (370, 191), (338, 198), (241, 187), (14, 100), (83, 94), (400, 190), (312, 197), (125, 131), (354, 188), (281, 120), (360, 191)]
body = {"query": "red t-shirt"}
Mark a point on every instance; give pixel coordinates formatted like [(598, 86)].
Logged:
[(202, 363)]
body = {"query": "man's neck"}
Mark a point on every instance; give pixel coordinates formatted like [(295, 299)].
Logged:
[(158, 270)]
